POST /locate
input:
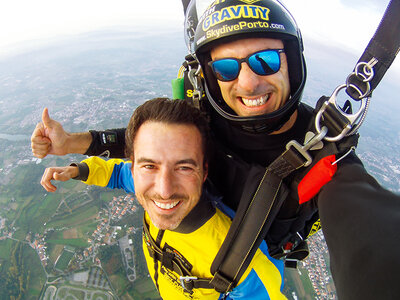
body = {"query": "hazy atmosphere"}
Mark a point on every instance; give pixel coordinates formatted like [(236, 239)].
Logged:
[(92, 63)]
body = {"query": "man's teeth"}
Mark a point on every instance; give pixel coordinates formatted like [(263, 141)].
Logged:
[(255, 102), (166, 205)]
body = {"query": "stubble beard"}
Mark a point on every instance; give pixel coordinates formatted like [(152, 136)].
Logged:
[(163, 221)]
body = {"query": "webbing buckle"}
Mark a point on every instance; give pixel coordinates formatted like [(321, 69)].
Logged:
[(303, 149), (186, 279)]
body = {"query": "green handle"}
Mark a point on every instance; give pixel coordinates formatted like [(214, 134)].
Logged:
[(178, 90)]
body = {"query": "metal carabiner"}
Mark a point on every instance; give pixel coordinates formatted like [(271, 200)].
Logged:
[(352, 118), (195, 80)]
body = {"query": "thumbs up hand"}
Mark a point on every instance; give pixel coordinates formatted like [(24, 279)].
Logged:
[(49, 137)]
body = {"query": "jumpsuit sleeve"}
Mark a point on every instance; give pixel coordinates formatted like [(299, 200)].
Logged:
[(114, 148), (361, 222), (113, 173)]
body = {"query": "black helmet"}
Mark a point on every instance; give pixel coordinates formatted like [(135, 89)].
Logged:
[(228, 20)]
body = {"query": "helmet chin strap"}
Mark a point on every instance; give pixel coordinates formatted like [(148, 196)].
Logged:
[(266, 124)]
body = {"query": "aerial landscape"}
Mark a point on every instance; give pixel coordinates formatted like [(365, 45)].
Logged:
[(84, 242)]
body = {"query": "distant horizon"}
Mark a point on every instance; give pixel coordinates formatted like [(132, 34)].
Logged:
[(24, 47)]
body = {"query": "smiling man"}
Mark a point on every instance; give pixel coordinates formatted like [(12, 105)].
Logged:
[(168, 171), (167, 142), (245, 91)]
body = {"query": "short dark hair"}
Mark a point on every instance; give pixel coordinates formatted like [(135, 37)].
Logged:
[(167, 111)]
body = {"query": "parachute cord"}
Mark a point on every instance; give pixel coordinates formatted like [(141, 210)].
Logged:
[(347, 153)]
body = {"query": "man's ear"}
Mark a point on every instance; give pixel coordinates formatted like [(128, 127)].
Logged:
[(205, 171)]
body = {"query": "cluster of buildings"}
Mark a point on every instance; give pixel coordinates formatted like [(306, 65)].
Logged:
[(120, 206), (38, 243), (22, 155), (104, 234), (317, 269)]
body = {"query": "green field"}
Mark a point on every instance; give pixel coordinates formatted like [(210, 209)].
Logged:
[(144, 289), (63, 260), (79, 243), (21, 272), (301, 284), (68, 217), (82, 216), (5, 248)]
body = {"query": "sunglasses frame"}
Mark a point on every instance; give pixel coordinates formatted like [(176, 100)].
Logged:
[(246, 59)]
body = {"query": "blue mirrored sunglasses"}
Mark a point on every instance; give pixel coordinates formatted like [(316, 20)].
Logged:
[(265, 62)]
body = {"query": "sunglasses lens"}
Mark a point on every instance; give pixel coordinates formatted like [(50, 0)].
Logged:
[(265, 62), (226, 69)]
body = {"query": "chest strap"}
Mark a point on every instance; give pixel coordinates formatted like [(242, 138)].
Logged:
[(170, 261)]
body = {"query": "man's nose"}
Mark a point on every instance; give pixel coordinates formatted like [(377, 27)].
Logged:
[(247, 79), (165, 183)]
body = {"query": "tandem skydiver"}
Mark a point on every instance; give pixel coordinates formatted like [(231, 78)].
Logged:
[(168, 144), (254, 113)]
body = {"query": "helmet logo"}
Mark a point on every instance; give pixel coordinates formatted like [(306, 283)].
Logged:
[(249, 1), (236, 12)]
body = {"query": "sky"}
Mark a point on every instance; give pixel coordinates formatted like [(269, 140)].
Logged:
[(349, 24)]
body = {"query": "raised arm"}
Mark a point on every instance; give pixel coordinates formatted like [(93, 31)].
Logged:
[(49, 137)]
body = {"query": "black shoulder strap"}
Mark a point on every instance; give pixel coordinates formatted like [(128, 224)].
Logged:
[(253, 219), (381, 51)]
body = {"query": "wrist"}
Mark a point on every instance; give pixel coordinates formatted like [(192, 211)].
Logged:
[(81, 171), (78, 142)]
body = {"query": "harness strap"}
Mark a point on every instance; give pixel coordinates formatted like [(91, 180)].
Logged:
[(158, 241), (252, 221), (380, 52), (167, 259)]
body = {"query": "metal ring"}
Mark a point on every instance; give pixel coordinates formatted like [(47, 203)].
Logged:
[(355, 87), (351, 117), (367, 68)]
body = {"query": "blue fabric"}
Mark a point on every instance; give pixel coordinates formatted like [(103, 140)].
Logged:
[(279, 264), (121, 178), (251, 288)]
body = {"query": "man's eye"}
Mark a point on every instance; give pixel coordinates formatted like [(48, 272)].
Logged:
[(185, 168), (149, 167)]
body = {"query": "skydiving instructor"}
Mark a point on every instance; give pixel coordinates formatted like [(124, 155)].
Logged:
[(251, 55)]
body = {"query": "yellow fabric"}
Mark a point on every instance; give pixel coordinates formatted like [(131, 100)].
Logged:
[(100, 170), (200, 248)]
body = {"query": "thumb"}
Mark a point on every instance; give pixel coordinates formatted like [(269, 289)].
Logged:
[(47, 121)]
